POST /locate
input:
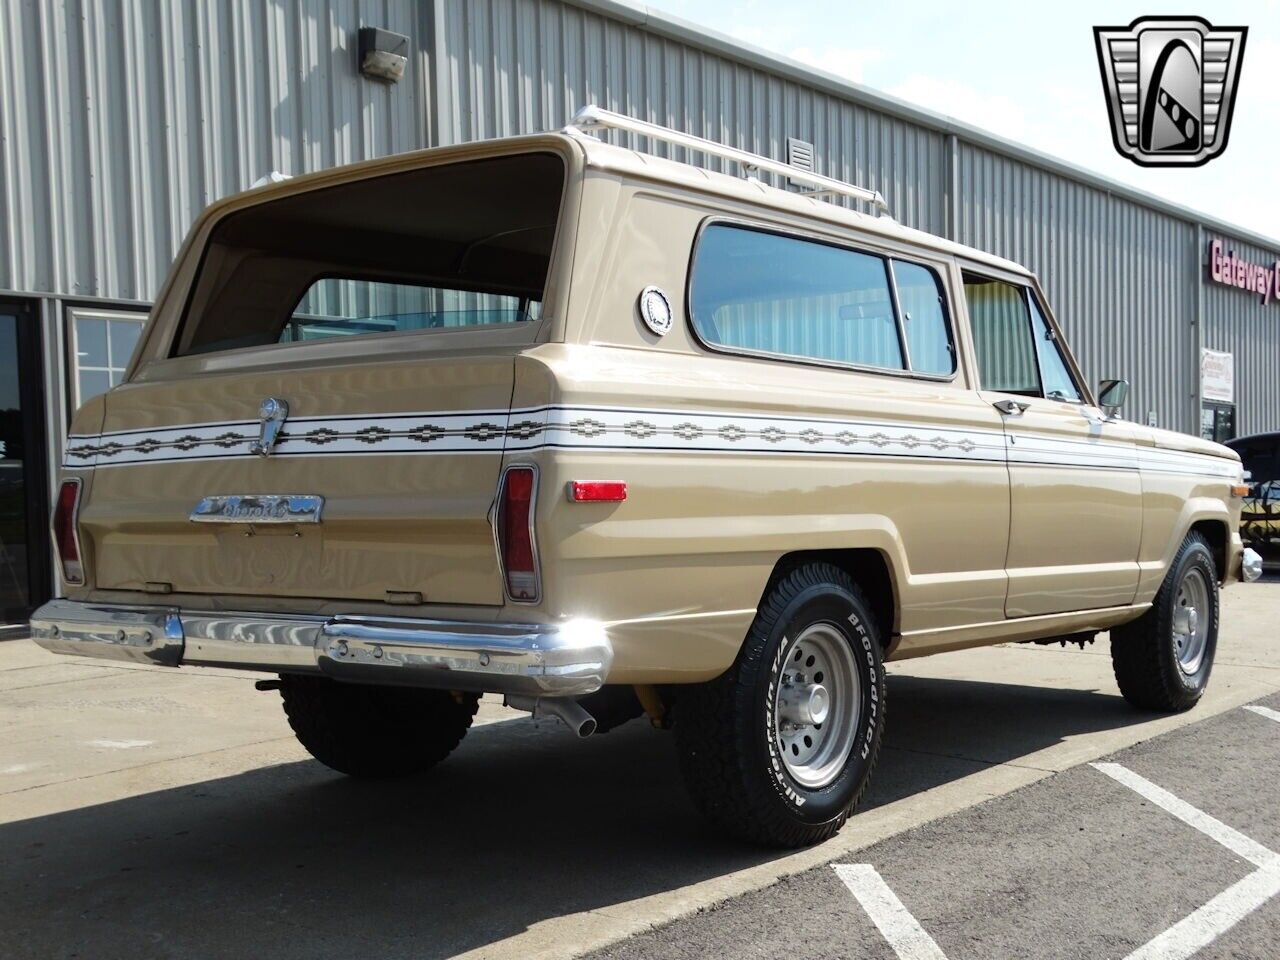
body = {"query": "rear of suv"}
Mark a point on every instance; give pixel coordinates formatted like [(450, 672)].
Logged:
[(613, 435)]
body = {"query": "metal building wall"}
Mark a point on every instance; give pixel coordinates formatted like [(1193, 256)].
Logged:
[(518, 66), (1238, 322), (1121, 278), (121, 119)]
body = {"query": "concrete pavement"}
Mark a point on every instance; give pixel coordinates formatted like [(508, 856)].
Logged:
[(153, 813)]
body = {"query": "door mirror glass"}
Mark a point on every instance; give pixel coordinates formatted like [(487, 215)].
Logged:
[(1112, 394)]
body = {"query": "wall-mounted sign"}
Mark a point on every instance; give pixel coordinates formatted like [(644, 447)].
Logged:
[(1217, 377), (1232, 271)]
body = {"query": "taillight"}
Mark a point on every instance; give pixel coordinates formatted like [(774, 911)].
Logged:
[(515, 533), (65, 536)]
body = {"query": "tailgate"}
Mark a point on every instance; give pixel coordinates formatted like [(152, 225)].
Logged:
[(405, 457), (379, 314)]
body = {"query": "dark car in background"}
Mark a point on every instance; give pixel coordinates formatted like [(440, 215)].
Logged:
[(1260, 515)]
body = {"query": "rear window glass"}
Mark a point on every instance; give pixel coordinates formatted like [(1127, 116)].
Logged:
[(458, 245)]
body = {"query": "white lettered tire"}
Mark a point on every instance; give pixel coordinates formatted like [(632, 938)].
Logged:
[(780, 748)]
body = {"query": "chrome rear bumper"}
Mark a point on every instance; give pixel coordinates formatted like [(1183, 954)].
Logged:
[(565, 659)]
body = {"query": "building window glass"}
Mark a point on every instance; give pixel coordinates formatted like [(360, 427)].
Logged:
[(102, 342)]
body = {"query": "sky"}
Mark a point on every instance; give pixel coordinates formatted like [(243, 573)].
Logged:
[(1029, 72)]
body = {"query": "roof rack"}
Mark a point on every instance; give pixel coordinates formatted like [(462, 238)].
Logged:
[(591, 118)]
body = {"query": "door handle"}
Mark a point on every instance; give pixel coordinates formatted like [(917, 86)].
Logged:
[(1011, 408)]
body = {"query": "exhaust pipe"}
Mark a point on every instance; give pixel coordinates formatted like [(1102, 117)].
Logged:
[(569, 712)]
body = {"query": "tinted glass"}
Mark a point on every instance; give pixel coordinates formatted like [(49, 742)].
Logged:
[(1260, 458), (924, 318), (338, 307), (1002, 336), (1054, 375), (766, 293), (14, 549), (446, 246)]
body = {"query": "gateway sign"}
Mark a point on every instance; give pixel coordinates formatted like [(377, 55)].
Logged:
[(1232, 271)]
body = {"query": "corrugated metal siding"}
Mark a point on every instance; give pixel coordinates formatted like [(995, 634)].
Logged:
[(1238, 322), (122, 119), (520, 66), (1120, 277)]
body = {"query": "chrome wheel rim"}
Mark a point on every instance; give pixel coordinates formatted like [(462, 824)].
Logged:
[(817, 703), (1191, 621)]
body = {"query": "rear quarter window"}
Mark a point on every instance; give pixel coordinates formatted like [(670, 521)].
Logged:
[(765, 293)]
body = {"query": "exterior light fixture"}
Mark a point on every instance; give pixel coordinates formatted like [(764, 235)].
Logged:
[(383, 54)]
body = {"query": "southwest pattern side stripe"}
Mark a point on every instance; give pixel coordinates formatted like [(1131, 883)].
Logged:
[(565, 427)]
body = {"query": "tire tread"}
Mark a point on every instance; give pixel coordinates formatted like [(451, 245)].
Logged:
[(714, 757)]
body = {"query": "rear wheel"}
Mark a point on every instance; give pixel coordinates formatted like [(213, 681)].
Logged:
[(372, 731), (1163, 659), (779, 749)]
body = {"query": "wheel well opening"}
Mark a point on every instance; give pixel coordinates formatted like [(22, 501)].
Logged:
[(869, 570), (1215, 533)]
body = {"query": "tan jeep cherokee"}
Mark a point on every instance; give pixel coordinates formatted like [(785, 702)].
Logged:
[(611, 434)]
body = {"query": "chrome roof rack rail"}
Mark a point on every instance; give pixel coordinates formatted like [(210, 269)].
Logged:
[(591, 118)]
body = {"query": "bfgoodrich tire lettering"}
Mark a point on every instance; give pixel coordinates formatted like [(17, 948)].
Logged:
[(728, 730), (1155, 664)]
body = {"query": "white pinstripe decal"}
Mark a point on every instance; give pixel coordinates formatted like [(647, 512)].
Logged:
[(606, 428)]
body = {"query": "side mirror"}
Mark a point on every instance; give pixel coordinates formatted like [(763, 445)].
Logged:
[(1111, 396)]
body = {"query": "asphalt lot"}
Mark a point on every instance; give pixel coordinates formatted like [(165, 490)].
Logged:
[(1074, 866), (149, 813)]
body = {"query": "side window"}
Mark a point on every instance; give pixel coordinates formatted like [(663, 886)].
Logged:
[(762, 292), (1054, 374), (1002, 336), (340, 307), (924, 318)]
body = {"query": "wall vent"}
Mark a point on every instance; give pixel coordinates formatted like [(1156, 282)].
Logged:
[(800, 155)]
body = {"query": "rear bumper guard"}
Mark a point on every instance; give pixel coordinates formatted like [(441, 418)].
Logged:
[(567, 659)]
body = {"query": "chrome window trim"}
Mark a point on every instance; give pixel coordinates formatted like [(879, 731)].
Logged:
[(887, 256), (533, 537)]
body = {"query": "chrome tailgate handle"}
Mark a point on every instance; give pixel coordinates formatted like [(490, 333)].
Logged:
[(1011, 408)]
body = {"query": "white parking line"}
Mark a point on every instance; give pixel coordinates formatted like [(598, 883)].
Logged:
[(1215, 918), (1229, 837), (892, 919), (1264, 711), (1200, 928)]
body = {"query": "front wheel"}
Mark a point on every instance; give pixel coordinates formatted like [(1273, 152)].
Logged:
[(779, 749), (1163, 659)]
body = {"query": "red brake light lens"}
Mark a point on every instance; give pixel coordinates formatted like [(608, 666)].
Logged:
[(65, 537), (600, 491), (515, 534)]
